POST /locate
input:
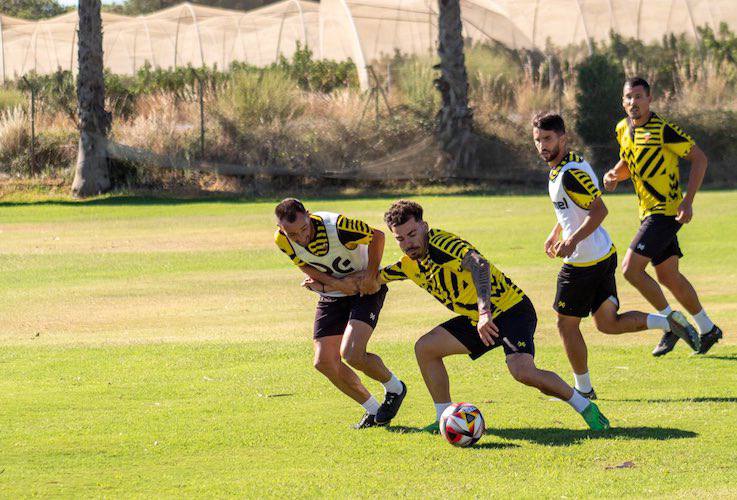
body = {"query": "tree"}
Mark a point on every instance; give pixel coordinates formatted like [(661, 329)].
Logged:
[(31, 9), (92, 175), (454, 127)]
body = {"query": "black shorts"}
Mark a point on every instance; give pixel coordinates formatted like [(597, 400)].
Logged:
[(516, 331), (334, 313), (657, 238), (582, 290)]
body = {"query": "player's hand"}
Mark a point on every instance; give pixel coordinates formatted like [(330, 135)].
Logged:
[(610, 181), (486, 328), (685, 212), (565, 248), (550, 245), (348, 285), (312, 285), (368, 284)]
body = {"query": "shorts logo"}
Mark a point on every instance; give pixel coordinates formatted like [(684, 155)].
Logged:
[(561, 304), (372, 316), (641, 246), (521, 344)]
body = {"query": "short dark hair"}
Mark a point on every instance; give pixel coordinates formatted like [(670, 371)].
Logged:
[(549, 121), (288, 208), (401, 211), (636, 81)]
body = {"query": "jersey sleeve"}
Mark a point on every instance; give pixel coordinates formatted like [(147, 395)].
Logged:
[(676, 140), (580, 187), (393, 273), (446, 247), (353, 232), (282, 242), (619, 131)]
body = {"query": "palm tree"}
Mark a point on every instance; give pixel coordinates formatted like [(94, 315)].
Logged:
[(92, 174), (454, 127)]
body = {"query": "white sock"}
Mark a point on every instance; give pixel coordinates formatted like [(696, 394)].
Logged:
[(583, 382), (440, 408), (371, 406), (393, 385), (657, 321), (665, 312), (703, 322), (578, 402)]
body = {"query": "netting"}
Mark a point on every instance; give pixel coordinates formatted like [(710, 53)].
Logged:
[(362, 30)]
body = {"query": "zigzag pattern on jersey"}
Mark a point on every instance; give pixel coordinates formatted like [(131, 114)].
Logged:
[(391, 273), (673, 185), (319, 246), (352, 229), (448, 243), (580, 187), (683, 135), (571, 156)]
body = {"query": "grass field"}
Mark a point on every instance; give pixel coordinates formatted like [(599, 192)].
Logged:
[(164, 348)]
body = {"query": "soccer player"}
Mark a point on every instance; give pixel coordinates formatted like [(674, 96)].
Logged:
[(327, 246), (586, 282), (649, 148), (492, 311)]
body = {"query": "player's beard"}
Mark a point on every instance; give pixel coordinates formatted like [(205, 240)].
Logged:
[(549, 155), (635, 112)]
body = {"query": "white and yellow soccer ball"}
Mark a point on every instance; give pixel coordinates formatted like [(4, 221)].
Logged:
[(462, 424)]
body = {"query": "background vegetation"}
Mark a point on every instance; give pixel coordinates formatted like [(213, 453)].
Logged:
[(307, 119)]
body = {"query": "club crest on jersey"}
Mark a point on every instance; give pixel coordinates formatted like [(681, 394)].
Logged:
[(647, 136), (561, 205)]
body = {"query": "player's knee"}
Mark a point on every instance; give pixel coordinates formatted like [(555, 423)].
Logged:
[(423, 348), (631, 273), (606, 325), (564, 327), (669, 280), (328, 367), (522, 373), (354, 357)]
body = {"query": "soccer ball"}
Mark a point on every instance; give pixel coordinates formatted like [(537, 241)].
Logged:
[(462, 424)]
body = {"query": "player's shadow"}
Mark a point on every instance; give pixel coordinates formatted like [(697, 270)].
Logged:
[(728, 399), (550, 436), (404, 429), (723, 358)]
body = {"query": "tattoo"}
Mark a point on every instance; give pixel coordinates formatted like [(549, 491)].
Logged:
[(481, 273)]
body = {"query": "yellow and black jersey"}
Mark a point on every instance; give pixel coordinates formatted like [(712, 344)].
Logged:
[(440, 273), (351, 233), (651, 153), (580, 187)]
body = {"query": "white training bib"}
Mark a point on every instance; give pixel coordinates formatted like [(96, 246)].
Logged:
[(570, 216), (339, 261)]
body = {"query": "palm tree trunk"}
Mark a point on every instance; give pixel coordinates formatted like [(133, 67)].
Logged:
[(92, 175), (454, 123)]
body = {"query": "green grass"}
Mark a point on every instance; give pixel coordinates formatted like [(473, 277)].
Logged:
[(164, 348)]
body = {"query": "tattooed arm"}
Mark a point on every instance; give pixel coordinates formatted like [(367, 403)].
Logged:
[(481, 273)]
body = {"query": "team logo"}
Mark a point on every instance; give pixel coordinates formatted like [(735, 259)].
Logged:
[(641, 246), (647, 136), (521, 344), (561, 304), (372, 316)]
